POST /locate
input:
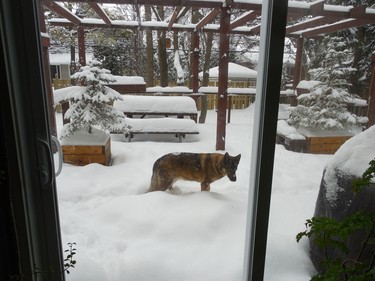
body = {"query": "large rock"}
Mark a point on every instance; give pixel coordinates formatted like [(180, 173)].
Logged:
[(336, 198)]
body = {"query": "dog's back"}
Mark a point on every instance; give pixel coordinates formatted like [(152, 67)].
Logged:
[(201, 167)]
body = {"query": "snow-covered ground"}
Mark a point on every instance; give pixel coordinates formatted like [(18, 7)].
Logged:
[(123, 233)]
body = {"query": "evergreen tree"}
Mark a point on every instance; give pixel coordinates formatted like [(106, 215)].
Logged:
[(325, 106), (90, 105)]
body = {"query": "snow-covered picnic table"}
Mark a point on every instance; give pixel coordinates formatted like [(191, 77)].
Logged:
[(179, 106), (159, 112), (178, 127)]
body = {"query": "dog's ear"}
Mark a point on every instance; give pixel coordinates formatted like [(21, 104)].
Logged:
[(238, 157)]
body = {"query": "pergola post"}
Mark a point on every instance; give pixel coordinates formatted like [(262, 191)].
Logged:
[(297, 69), (195, 64), (47, 73), (81, 46), (371, 99), (223, 77)]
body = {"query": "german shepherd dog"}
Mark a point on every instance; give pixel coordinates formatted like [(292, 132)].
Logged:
[(201, 167)]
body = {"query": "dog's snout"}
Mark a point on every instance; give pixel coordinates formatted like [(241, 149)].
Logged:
[(232, 177)]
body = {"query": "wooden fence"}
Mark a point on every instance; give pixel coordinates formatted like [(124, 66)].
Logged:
[(234, 102), (60, 83)]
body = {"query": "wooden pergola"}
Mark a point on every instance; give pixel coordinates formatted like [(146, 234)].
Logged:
[(314, 19)]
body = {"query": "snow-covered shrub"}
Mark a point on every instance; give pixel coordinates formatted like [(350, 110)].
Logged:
[(90, 104), (325, 107)]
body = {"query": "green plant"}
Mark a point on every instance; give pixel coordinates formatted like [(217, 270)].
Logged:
[(69, 262), (329, 233), (366, 177)]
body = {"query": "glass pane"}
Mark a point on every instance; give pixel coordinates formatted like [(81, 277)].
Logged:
[(315, 157)]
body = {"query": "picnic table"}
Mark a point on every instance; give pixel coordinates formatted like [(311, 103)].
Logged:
[(166, 125), (175, 115), (167, 106)]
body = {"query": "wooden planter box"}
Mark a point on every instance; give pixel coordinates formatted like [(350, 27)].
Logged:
[(93, 151), (324, 142), (315, 141), (291, 144), (324, 145)]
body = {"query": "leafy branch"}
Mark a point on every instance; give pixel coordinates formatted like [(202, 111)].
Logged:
[(365, 180), (69, 262), (328, 233)]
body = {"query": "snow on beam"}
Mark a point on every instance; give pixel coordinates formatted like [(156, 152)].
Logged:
[(208, 18), (174, 17), (61, 11), (101, 13), (329, 28), (245, 18)]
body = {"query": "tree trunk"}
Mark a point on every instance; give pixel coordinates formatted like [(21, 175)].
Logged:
[(194, 19), (207, 59), (162, 51), (150, 50)]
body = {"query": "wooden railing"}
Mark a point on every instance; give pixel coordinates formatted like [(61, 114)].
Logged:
[(60, 83)]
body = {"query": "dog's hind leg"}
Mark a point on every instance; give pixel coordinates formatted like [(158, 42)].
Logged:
[(160, 181), (205, 186)]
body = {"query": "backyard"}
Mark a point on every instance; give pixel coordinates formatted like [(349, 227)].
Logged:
[(123, 233)]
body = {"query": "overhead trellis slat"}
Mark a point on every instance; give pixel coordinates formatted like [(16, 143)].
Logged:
[(326, 18)]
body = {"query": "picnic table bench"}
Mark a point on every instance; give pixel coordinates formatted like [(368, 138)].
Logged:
[(166, 125), (179, 106), (155, 115)]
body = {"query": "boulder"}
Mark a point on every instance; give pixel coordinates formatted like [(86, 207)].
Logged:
[(336, 198)]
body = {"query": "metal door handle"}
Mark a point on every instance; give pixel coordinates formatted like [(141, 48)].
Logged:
[(60, 155)]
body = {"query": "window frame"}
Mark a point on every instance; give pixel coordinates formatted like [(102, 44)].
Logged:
[(35, 203), (31, 207)]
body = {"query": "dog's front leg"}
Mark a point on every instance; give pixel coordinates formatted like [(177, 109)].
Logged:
[(205, 186)]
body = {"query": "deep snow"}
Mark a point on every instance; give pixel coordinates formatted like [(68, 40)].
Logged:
[(123, 233)]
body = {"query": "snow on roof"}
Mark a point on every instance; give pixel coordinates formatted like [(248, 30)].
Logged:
[(235, 71), (57, 59)]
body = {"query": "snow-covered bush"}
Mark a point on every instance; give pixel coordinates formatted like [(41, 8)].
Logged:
[(90, 104), (325, 107)]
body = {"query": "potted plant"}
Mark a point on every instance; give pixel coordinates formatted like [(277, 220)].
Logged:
[(321, 114), (86, 138)]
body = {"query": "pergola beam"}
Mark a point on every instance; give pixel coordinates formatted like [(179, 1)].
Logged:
[(101, 13), (333, 27), (327, 18), (245, 18), (61, 11), (207, 19), (174, 17), (317, 21)]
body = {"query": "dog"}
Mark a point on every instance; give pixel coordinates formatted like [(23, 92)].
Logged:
[(200, 167)]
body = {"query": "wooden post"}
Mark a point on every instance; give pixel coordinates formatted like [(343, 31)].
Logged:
[(47, 73), (223, 78), (81, 46), (195, 65), (297, 69), (371, 98)]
